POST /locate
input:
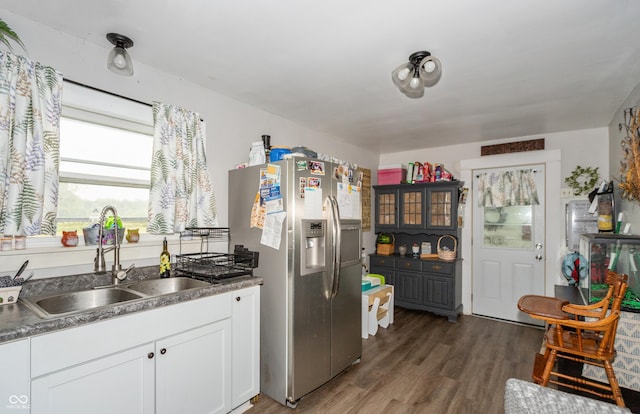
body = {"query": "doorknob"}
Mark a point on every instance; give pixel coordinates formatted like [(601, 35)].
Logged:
[(538, 257), (538, 246)]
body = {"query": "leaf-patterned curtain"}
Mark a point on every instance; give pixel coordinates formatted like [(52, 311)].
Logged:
[(508, 188), (30, 106), (181, 193)]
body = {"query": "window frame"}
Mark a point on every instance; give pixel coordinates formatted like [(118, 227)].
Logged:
[(47, 257)]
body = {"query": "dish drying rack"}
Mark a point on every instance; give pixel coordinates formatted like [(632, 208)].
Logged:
[(214, 266)]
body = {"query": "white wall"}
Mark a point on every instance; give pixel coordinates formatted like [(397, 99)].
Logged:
[(231, 125), (630, 209), (589, 147)]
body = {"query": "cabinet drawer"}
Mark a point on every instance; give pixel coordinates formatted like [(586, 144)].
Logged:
[(409, 265), (382, 261), (438, 267)]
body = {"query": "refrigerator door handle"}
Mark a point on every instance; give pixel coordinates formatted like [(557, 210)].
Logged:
[(337, 232)]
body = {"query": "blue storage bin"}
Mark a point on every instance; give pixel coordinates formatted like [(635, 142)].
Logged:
[(277, 153)]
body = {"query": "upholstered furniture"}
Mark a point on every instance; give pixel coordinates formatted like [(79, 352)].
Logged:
[(522, 397)]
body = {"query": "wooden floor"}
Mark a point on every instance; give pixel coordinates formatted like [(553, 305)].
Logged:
[(425, 364)]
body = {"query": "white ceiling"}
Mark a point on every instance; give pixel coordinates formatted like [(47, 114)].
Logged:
[(510, 67)]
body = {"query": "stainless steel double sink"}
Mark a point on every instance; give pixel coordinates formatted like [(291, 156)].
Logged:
[(60, 304)]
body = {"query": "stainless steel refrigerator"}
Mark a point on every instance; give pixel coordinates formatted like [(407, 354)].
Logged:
[(311, 296)]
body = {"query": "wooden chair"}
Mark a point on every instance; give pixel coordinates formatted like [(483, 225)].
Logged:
[(584, 334)]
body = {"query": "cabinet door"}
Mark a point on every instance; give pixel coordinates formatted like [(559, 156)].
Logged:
[(383, 265), (14, 360), (245, 364), (442, 213), (408, 287), (413, 208), (438, 291), (119, 383), (193, 372), (386, 208), (389, 274)]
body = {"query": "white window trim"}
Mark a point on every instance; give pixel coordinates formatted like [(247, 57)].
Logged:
[(47, 260), (47, 257)]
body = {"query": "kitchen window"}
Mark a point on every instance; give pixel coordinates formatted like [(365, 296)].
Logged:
[(102, 165), (105, 158), (106, 144)]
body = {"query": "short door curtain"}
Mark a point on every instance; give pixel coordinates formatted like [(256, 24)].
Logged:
[(507, 188)]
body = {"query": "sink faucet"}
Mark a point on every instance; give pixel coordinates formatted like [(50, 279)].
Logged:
[(100, 268)]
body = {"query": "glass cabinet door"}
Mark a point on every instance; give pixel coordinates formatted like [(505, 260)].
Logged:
[(412, 208), (442, 208), (386, 209)]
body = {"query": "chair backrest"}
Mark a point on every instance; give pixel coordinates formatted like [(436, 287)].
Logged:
[(617, 288), (613, 299), (618, 284), (601, 319)]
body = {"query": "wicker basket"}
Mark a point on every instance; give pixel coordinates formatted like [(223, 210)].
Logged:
[(448, 255), (387, 249)]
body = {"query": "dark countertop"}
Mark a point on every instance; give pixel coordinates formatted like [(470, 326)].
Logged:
[(18, 321), (410, 256)]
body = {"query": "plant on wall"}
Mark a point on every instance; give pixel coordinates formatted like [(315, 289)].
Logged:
[(7, 35), (582, 180), (630, 165)]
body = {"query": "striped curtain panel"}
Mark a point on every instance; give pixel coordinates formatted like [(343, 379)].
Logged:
[(508, 188), (181, 193), (30, 106)]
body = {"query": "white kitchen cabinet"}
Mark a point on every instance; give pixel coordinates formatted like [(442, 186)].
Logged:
[(171, 359), (118, 383), (193, 372), (199, 356), (188, 372), (246, 350), (14, 383)]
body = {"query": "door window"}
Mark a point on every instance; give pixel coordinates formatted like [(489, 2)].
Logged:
[(507, 227)]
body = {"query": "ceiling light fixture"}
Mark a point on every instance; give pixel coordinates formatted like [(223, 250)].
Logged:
[(119, 60), (421, 70)]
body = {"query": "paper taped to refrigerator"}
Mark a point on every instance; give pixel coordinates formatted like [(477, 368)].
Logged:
[(313, 203), (273, 229), (349, 201)]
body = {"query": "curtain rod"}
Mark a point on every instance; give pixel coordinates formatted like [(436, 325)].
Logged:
[(107, 92), (533, 171), (112, 94)]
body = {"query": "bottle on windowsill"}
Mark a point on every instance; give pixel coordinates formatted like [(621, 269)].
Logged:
[(165, 260)]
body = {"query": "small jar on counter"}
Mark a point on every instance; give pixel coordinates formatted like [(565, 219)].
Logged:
[(20, 242), (6, 242)]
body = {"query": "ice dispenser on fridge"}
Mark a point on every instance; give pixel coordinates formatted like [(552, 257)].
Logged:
[(313, 246)]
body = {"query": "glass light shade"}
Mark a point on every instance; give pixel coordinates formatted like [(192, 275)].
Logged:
[(430, 70), (120, 62), (414, 93), (414, 88), (402, 75), (429, 66), (416, 83)]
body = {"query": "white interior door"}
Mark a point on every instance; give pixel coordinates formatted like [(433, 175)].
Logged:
[(508, 252)]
